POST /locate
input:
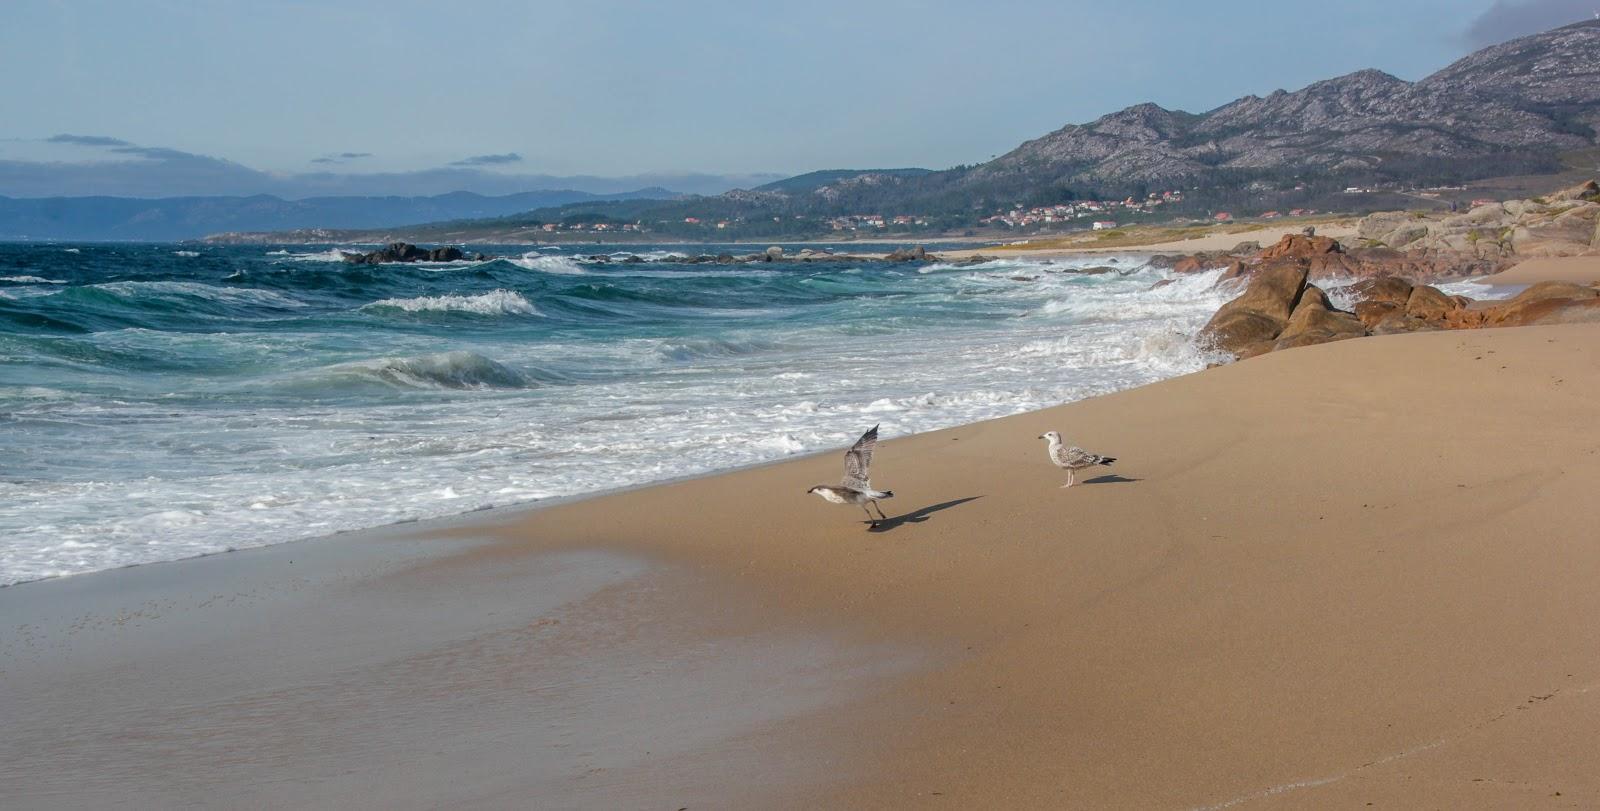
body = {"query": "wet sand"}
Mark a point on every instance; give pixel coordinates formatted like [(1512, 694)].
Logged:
[(368, 671), (1362, 572)]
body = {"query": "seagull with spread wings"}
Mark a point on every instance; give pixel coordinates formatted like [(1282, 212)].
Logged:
[(856, 488)]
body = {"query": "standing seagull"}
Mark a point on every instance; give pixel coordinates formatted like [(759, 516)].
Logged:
[(856, 488), (1073, 459)]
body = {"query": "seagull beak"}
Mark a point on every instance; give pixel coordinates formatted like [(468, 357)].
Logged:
[(1041, 436)]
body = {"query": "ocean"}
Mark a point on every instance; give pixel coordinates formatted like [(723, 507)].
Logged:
[(164, 401)]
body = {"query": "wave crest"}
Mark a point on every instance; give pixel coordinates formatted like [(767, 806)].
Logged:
[(497, 302), (560, 265), (445, 370)]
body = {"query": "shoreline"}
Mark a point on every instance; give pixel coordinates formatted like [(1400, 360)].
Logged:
[(1226, 240), (999, 637), (1582, 269)]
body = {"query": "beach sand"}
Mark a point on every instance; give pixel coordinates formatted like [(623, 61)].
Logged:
[(1578, 269), (1361, 572), (1221, 240)]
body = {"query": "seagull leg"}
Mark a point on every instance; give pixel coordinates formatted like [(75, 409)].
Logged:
[(872, 520), (880, 510), (1069, 479)]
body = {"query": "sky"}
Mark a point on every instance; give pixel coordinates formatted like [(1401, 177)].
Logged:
[(404, 96)]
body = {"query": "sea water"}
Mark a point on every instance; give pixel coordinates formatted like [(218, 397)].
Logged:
[(164, 401)]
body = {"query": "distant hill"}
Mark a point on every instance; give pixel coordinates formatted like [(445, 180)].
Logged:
[(1512, 109), (811, 181), (179, 218)]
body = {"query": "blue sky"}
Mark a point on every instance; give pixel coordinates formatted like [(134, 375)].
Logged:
[(646, 91)]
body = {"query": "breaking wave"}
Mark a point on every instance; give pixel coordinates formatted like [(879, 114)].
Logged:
[(562, 265), (456, 371), (498, 302)]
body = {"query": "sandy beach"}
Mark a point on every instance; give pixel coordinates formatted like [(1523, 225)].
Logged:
[(1346, 574), (1222, 239)]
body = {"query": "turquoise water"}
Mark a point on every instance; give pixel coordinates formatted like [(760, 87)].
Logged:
[(162, 401)]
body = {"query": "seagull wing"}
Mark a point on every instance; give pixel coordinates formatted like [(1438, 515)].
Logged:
[(858, 459), (1075, 457)]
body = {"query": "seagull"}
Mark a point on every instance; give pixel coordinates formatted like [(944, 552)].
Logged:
[(1073, 459), (856, 487)]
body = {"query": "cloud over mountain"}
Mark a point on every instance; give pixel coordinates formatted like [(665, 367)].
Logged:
[(489, 160), (120, 168), (1509, 19)]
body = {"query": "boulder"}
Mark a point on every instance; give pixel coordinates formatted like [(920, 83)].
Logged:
[(1587, 190), (1199, 262), (1539, 302), (1569, 311), (1396, 322), (774, 254), (1316, 321), (1429, 304), (1372, 313), (1260, 313), (404, 252), (1299, 246), (1382, 289), (916, 254), (1563, 230)]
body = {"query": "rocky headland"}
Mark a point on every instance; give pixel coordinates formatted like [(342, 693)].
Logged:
[(1384, 275)]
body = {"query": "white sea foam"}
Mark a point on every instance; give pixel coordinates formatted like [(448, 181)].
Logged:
[(548, 264), (190, 254), (498, 302), (1477, 289), (330, 255), (30, 280), (71, 250)]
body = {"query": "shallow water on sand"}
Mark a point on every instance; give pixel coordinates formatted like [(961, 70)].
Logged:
[(358, 674)]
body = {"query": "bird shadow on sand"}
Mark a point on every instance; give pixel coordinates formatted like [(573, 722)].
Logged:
[(918, 516), (1110, 478)]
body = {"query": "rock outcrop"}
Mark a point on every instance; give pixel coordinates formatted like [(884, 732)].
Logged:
[(917, 254), (1253, 323), (1250, 324), (1328, 260), (1566, 223), (1316, 321), (406, 252)]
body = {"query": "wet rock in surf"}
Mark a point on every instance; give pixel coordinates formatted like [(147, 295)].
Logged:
[(406, 252)]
